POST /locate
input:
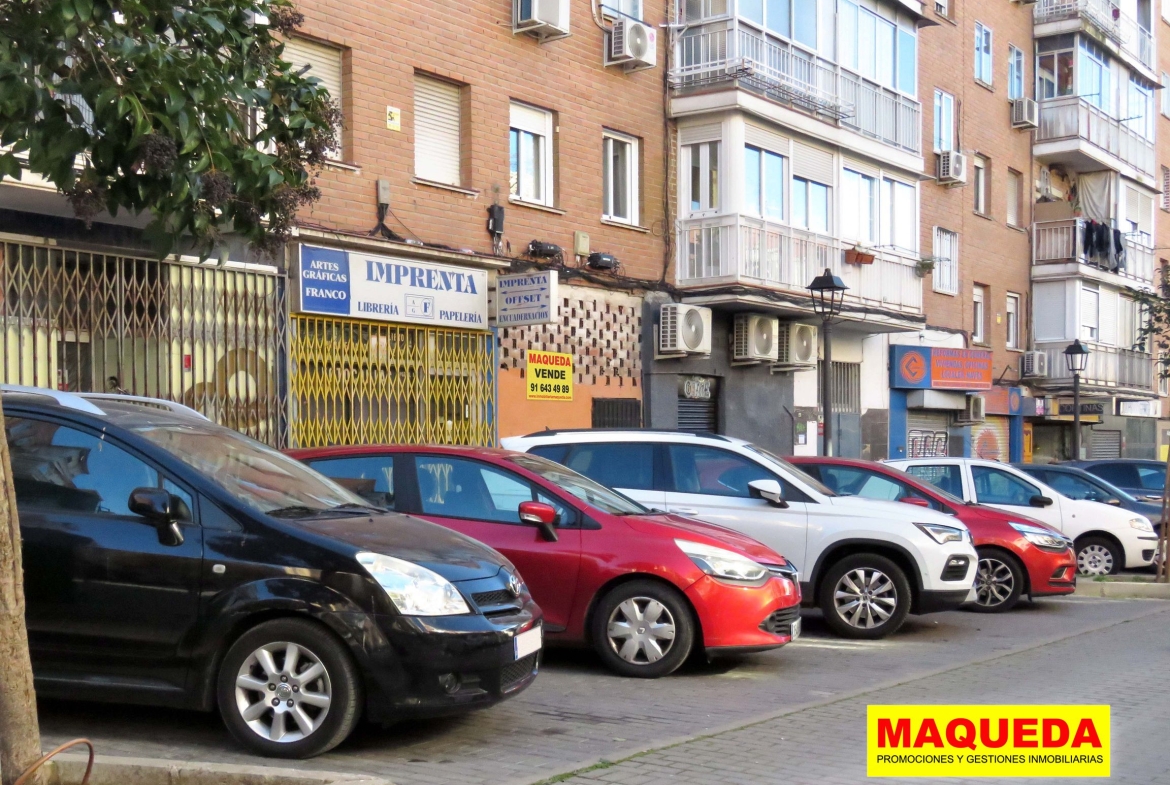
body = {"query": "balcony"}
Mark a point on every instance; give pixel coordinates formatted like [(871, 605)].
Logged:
[(1063, 242), (1110, 368), (721, 52), (740, 250), (1121, 30), (1074, 132)]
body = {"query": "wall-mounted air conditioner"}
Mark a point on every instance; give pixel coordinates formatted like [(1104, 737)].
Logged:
[(546, 20), (797, 345), (952, 168), (1025, 113), (1034, 365), (684, 329), (631, 44), (754, 338), (975, 410)]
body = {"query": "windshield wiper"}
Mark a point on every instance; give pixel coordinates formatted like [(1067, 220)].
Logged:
[(295, 511), (352, 506)]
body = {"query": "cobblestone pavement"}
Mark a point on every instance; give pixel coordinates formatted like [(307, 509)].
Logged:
[(794, 715)]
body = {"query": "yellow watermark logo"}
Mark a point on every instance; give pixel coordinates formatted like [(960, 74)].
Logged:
[(987, 741)]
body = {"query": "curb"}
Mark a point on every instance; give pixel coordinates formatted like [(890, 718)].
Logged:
[(1123, 589), (113, 770)]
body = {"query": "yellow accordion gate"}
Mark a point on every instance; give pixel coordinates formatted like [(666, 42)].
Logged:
[(360, 382)]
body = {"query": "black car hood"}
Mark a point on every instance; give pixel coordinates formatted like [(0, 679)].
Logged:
[(454, 556)]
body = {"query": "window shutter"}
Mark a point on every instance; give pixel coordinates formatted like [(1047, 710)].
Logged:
[(1132, 204), (763, 138), (324, 62), (527, 118), (1013, 199), (693, 134), (1145, 207), (1165, 188), (1090, 299), (812, 163), (436, 130), (1108, 326)]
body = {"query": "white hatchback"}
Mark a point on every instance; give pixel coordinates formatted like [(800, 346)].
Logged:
[(1106, 539), (865, 563)]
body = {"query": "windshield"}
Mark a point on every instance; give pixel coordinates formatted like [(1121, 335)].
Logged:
[(258, 476), (580, 486), (807, 479)]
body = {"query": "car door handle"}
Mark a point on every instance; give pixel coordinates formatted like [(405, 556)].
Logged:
[(685, 510)]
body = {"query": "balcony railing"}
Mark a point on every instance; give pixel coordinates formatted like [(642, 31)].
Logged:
[(1106, 17), (1075, 118), (1056, 242), (1108, 366), (721, 51), (737, 249)]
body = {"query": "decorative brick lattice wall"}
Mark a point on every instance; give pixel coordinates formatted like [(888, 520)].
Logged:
[(602, 330)]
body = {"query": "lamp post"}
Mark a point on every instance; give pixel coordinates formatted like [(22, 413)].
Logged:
[(1076, 358), (828, 292)]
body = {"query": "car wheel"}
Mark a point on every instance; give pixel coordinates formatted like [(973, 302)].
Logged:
[(865, 596), (1098, 556), (999, 582), (643, 629), (288, 688)]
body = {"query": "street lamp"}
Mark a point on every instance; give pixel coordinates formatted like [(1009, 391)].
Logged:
[(828, 292), (1076, 358)]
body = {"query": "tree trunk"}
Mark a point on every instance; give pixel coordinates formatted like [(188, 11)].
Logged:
[(20, 737)]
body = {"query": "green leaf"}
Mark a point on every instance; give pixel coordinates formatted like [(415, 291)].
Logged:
[(9, 166)]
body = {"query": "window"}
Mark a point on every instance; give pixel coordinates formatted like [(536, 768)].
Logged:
[(59, 468), (1015, 72), (369, 476), (631, 8), (1054, 74), (619, 174), (460, 488), (995, 486), (948, 477), (944, 121), (1093, 81), (946, 261), (983, 65), (1090, 313), (899, 215), (1014, 196), (1151, 478), (531, 153), (979, 315), (1165, 89), (878, 49), (615, 465), (763, 183), (1140, 117), (907, 62), (793, 19), (714, 472), (702, 161), (1013, 321), (323, 62), (437, 130), (858, 207), (942, 7), (981, 185), (1122, 475), (1165, 188), (851, 481), (1075, 487), (810, 205), (616, 413)]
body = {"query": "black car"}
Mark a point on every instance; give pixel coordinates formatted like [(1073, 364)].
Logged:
[(1079, 484), (171, 561), (1142, 478)]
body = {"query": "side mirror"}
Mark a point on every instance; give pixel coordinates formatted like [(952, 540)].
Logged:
[(156, 506), (917, 501), (542, 516), (1114, 501), (769, 491), (1040, 500)]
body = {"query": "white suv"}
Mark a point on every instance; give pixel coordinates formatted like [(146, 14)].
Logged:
[(865, 563), (1106, 539)]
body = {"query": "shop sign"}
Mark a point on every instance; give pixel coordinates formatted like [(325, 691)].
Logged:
[(1004, 400), (932, 368), (696, 388), (390, 289), (549, 376), (1087, 407), (1139, 408), (527, 298)]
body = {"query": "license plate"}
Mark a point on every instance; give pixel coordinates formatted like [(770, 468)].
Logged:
[(796, 629), (528, 642)]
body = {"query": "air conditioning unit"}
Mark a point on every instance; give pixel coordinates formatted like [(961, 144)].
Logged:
[(952, 167), (754, 338), (976, 409), (632, 44), (797, 345), (547, 20), (1025, 113), (684, 329), (1034, 365)]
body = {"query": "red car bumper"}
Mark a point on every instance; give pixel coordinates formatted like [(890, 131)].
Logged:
[(739, 617), (1050, 573)]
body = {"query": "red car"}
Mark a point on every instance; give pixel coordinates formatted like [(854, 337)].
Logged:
[(645, 589), (1017, 555)]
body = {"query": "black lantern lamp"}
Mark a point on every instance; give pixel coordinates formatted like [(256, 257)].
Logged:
[(1076, 358), (828, 294)]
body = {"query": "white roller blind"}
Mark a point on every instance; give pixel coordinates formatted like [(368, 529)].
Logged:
[(531, 119), (1013, 199), (812, 163), (437, 125), (1109, 318), (709, 132), (766, 139), (324, 62)]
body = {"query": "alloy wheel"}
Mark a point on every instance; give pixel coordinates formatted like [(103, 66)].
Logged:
[(865, 597), (641, 630), (283, 692), (1095, 559), (994, 582)]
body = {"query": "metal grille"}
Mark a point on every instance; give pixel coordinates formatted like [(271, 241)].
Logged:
[(780, 622), (209, 337), (846, 388), (356, 382), (1105, 444), (517, 671), (617, 413)]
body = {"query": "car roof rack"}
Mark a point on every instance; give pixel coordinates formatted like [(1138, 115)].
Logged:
[(555, 431), (84, 402)]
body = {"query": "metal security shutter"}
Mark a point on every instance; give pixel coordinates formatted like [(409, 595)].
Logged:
[(926, 434), (617, 413), (436, 130), (990, 439), (1104, 444), (324, 62), (696, 416)]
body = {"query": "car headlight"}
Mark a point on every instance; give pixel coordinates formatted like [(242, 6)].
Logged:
[(722, 563), (787, 570), (414, 590), (1142, 525), (943, 534), (1042, 538)]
